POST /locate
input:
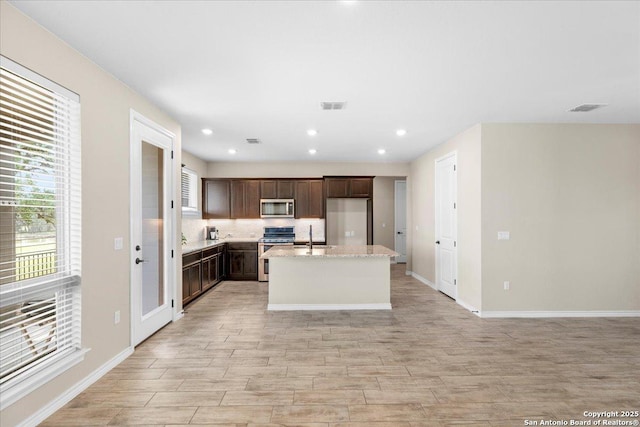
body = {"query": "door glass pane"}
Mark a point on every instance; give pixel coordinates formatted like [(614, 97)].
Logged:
[(152, 228)]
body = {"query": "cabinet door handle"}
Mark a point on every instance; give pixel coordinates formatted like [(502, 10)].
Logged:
[(437, 242), (138, 260)]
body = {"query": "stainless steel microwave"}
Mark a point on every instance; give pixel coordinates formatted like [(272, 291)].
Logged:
[(276, 208)]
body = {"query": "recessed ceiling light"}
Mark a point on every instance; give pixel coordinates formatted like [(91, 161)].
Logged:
[(312, 151), (232, 151), (207, 131), (382, 151), (312, 132), (401, 132)]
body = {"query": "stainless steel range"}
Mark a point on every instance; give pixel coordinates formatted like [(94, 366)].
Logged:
[(273, 236)]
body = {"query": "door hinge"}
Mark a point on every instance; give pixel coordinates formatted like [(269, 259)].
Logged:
[(172, 154), (454, 206), (171, 303), (454, 243), (171, 253), (454, 167), (455, 281), (172, 204)]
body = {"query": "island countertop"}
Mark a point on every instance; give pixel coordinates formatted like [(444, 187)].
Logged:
[(330, 251)]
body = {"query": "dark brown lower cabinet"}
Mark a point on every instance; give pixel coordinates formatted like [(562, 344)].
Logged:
[(201, 271), (243, 260), (191, 277), (209, 272)]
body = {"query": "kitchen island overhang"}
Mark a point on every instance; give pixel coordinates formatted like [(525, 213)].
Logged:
[(330, 278)]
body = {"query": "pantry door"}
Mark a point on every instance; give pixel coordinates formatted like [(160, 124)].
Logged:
[(151, 228)]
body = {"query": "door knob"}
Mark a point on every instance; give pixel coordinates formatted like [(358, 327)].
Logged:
[(437, 242), (138, 247), (138, 260)]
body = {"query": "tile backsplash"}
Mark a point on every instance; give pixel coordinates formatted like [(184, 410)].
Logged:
[(194, 229)]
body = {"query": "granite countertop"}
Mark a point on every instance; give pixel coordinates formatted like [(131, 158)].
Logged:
[(332, 251), (205, 244)]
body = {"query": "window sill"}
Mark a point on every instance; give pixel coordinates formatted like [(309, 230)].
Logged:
[(191, 213), (12, 393)]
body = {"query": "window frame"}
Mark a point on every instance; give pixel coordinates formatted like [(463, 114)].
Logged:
[(65, 283), (191, 210)]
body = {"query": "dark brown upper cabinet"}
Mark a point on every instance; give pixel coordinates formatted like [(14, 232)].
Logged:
[(245, 198), (361, 187), (337, 187), (348, 187), (309, 197), (277, 189), (215, 198)]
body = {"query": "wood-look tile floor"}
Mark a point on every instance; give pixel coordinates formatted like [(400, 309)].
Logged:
[(428, 362)]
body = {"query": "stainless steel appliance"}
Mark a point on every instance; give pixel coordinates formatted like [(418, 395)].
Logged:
[(273, 236), (276, 208)]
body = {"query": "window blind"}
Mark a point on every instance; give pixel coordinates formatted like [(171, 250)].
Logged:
[(189, 189), (40, 213)]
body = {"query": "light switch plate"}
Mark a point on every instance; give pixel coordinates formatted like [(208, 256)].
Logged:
[(117, 243), (503, 235)]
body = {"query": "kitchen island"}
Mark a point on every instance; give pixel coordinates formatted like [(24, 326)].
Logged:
[(329, 277)]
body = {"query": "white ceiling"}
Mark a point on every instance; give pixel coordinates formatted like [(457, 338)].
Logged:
[(261, 69)]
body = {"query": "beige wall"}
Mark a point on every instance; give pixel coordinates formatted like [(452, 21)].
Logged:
[(384, 210), (346, 215), (570, 196), (421, 227), (199, 166), (106, 105), (302, 169)]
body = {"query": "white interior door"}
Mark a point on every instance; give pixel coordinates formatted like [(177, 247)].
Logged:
[(446, 225), (401, 220), (151, 229)]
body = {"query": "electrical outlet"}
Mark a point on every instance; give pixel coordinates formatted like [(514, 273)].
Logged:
[(503, 235), (506, 285), (117, 243), (116, 317), (346, 234)]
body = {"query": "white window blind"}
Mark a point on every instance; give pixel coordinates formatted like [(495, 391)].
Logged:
[(189, 190), (40, 210)]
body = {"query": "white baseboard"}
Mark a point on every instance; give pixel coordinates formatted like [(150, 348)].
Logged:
[(423, 280), (41, 414), (540, 314), (408, 272), (468, 307), (323, 307)]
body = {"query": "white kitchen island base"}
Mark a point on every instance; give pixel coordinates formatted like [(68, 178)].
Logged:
[(326, 281)]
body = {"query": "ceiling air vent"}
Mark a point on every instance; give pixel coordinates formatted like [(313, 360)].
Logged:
[(584, 108), (253, 141), (340, 105)]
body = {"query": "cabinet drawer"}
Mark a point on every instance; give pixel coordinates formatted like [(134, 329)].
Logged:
[(243, 246), (191, 258), (208, 253)]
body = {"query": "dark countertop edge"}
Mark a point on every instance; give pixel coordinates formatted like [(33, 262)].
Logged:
[(207, 244)]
